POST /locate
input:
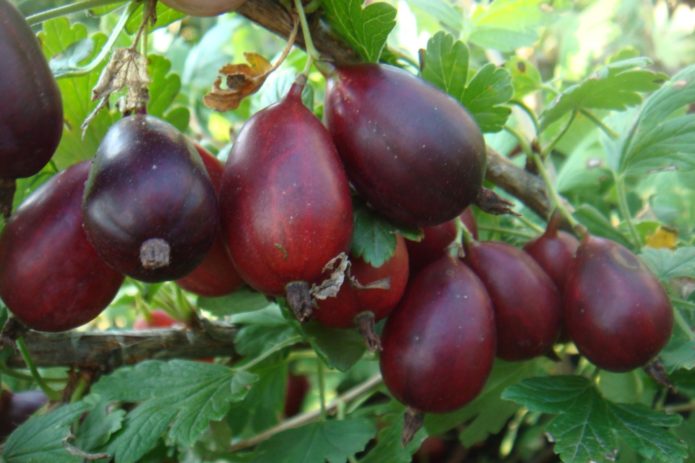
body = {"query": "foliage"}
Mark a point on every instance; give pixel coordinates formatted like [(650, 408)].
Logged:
[(600, 92)]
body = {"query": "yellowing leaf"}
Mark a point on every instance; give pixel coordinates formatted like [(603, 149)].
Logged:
[(662, 238)]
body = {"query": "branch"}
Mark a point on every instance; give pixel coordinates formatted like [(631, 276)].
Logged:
[(309, 417), (111, 349), (273, 16), (528, 188)]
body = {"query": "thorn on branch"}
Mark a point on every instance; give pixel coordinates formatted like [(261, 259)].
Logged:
[(492, 203), (13, 330)]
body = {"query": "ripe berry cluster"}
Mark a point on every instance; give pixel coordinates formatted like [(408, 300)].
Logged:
[(155, 207)]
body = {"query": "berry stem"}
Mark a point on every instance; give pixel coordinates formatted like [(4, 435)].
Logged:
[(625, 210), (545, 152), (24, 352), (506, 231), (555, 199), (312, 52), (273, 350), (7, 190), (532, 225), (365, 325), (466, 235), (68, 9), (357, 393), (5, 370), (599, 123), (529, 112), (320, 373)]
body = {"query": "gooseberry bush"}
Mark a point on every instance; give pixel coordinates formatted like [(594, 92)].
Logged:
[(336, 230)]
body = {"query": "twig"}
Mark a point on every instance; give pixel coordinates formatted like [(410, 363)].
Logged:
[(309, 417)]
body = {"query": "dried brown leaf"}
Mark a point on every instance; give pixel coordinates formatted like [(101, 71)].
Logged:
[(241, 80), (126, 69)]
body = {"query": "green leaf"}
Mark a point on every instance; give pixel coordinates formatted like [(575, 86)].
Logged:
[(583, 433), (446, 67), (340, 348), (263, 405), (526, 77), (507, 25), (373, 237), (241, 300), (548, 394), (489, 88), (388, 441), (667, 264), (587, 427), (444, 11), (98, 427), (364, 29), (657, 140), (644, 431), (164, 88), (142, 428), (615, 86), (57, 36), (42, 437), (179, 117), (446, 64), (679, 354), (69, 60), (599, 225), (164, 14), (332, 441), (276, 87), (263, 331), (487, 414), (179, 395)]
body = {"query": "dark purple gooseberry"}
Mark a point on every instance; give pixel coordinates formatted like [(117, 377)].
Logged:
[(411, 150), (215, 276), (554, 251), (30, 99), (149, 207), (433, 246), (525, 300), (468, 220), (51, 278), (285, 199), (439, 343), (616, 311), (16, 408)]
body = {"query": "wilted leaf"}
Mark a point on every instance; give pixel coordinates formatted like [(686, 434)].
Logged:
[(127, 69), (240, 81), (663, 238)]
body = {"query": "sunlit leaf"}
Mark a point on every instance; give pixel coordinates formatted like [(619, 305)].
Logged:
[(364, 29)]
